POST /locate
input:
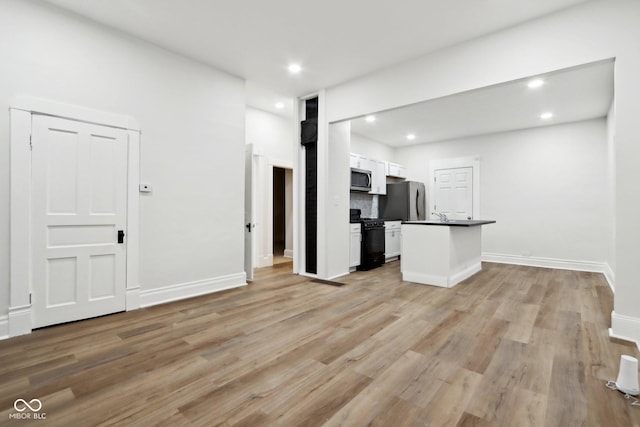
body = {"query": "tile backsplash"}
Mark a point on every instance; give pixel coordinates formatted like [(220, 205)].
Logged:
[(367, 203)]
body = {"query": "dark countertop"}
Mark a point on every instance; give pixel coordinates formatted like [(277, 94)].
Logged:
[(354, 221), (452, 222)]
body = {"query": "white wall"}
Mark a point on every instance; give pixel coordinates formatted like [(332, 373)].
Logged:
[(192, 144), (611, 191), (337, 200), (370, 148), (546, 188), (271, 135), (588, 32)]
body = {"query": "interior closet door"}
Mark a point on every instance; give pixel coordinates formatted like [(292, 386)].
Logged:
[(454, 192), (79, 207)]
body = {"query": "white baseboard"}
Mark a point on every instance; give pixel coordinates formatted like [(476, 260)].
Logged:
[(559, 264), (4, 327), (445, 281), (458, 277), (425, 279), (191, 289), (19, 320), (625, 328), (265, 261), (133, 299), (338, 275), (611, 277), (288, 253)]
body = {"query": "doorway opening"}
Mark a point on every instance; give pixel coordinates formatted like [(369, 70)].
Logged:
[(282, 218)]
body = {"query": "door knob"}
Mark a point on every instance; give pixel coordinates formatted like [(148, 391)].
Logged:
[(120, 236)]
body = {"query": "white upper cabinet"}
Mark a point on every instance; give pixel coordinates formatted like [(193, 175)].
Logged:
[(396, 170), (380, 170), (359, 162), (378, 177)]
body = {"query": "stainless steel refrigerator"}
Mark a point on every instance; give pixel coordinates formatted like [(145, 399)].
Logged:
[(404, 200)]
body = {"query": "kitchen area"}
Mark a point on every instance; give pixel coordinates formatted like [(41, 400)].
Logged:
[(380, 199), (440, 252), (493, 157), (384, 206)]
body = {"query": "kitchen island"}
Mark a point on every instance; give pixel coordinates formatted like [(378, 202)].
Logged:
[(441, 253)]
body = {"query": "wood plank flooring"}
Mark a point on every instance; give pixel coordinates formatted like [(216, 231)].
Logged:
[(511, 346)]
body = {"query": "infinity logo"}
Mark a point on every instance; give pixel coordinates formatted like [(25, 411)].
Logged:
[(37, 405)]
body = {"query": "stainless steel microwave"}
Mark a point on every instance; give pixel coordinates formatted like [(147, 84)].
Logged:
[(360, 180)]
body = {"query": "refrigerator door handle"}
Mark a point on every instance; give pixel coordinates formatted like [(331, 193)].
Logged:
[(417, 204)]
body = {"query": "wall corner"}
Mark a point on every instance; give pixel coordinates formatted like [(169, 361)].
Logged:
[(625, 328)]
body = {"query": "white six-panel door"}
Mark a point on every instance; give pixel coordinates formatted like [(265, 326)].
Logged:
[(79, 204), (454, 192)]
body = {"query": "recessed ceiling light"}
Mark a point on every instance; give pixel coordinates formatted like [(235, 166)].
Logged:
[(370, 119), (535, 83), (294, 68), (411, 137), (279, 105), (546, 116)]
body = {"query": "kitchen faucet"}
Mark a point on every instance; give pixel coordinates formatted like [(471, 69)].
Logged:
[(443, 217)]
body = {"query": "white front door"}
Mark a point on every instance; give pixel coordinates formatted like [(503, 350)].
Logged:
[(79, 208), (454, 192)]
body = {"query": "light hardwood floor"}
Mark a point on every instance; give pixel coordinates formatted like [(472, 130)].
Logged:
[(512, 346)]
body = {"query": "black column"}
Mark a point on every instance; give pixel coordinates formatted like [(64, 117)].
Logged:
[(309, 139)]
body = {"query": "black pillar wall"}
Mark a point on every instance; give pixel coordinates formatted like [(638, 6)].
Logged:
[(309, 139)]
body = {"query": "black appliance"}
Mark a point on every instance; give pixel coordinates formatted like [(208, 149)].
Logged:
[(372, 246), (360, 180), (404, 200)]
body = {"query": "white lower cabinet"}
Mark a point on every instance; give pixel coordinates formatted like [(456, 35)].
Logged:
[(392, 239), (356, 239)]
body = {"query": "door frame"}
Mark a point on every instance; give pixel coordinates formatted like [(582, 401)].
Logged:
[(268, 208), (264, 208), (250, 197), (21, 111), (472, 162)]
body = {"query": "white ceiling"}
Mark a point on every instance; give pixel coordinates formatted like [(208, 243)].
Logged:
[(573, 94), (333, 40)]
